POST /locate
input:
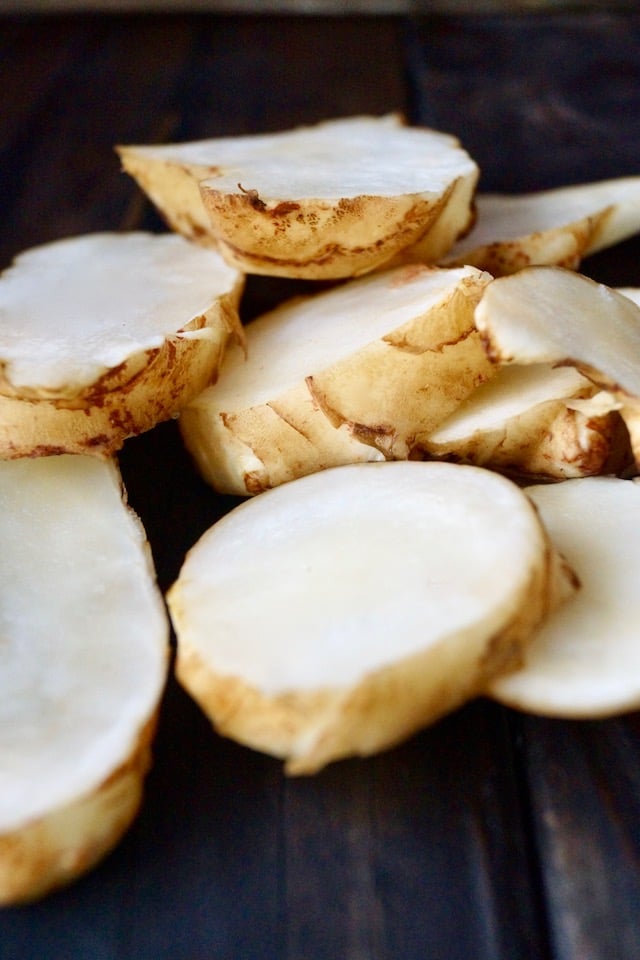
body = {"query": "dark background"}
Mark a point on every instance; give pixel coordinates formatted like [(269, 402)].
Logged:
[(492, 835)]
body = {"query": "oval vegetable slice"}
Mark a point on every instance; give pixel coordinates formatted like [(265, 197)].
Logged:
[(585, 660), (84, 645), (338, 613)]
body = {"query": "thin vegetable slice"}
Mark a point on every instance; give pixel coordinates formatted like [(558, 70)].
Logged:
[(338, 613), (536, 420), (552, 227), (585, 660)]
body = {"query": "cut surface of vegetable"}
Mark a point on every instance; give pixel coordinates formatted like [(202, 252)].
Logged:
[(585, 660), (84, 658), (535, 420), (558, 227), (103, 335), (336, 199), (338, 613), (553, 315), (360, 372)]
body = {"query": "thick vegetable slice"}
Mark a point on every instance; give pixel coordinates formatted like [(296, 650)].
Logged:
[(552, 315), (338, 613), (553, 227), (84, 655), (104, 335), (585, 660), (536, 420), (332, 200), (360, 372)]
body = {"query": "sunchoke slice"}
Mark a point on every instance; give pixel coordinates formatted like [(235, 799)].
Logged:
[(337, 614), (357, 373), (585, 660), (332, 200), (104, 335), (84, 659), (553, 315), (558, 227), (535, 420)]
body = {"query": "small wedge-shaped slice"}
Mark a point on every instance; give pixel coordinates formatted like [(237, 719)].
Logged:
[(332, 200), (359, 372), (553, 227), (535, 420), (339, 613), (553, 315), (104, 335), (84, 649), (585, 660)]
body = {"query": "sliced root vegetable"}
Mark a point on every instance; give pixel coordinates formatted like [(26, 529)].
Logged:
[(337, 199), (585, 660), (552, 227), (84, 659), (359, 372), (536, 420), (339, 613), (105, 335), (552, 315)]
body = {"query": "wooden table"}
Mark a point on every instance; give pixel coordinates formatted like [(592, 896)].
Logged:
[(492, 835)]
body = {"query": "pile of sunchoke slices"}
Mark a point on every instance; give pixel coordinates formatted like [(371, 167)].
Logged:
[(436, 450)]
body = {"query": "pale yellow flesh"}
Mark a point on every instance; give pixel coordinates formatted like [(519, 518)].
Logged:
[(374, 605), (512, 392), (534, 420), (585, 661), (85, 644), (559, 226)]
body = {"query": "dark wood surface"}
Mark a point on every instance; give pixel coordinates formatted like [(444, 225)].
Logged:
[(492, 835)]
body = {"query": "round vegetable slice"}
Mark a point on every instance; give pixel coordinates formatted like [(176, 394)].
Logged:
[(585, 660), (338, 613), (84, 657), (104, 335)]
